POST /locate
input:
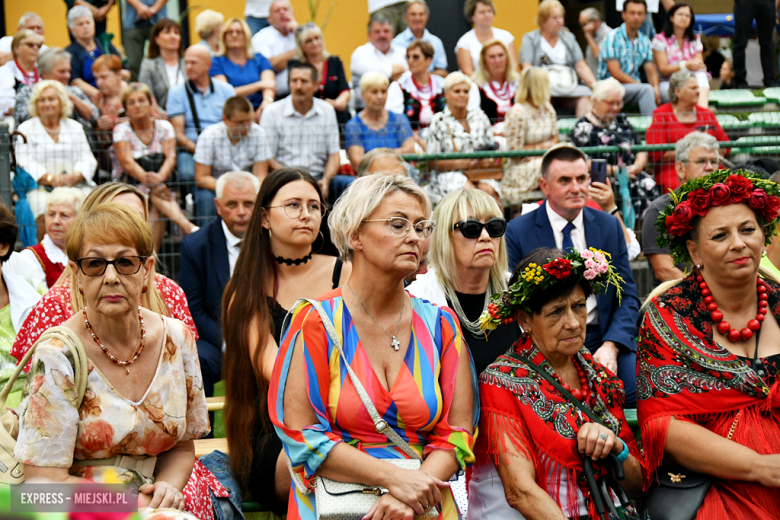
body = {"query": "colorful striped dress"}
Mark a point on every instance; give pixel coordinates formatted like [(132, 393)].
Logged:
[(416, 407)]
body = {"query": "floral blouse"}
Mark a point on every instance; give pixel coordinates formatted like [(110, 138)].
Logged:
[(617, 133), (672, 49), (54, 433)]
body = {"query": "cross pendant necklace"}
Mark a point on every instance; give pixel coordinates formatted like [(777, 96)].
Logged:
[(394, 343)]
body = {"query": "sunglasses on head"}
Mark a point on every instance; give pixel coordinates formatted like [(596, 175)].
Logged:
[(472, 227)]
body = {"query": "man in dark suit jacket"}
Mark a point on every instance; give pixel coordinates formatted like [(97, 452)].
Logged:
[(563, 221), (208, 257)]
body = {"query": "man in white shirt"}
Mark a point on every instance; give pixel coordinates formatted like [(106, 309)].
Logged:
[(277, 42), (379, 54), (417, 14), (28, 20), (393, 10)]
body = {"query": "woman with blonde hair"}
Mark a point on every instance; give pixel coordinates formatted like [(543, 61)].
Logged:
[(22, 70), (164, 296), (208, 25), (495, 81), (531, 124)]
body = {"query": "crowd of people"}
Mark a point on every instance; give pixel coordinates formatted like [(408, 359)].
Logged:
[(426, 339)]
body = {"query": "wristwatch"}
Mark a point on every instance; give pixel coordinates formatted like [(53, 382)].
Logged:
[(48, 178)]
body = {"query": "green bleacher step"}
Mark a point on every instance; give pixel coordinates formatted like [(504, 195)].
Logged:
[(735, 98)]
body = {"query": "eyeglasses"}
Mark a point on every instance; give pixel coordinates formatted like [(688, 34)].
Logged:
[(704, 162), (472, 228), (125, 265), (400, 226), (235, 32), (33, 45), (307, 25), (295, 209)]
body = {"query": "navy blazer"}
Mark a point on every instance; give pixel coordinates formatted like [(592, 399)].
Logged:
[(203, 275), (602, 231)]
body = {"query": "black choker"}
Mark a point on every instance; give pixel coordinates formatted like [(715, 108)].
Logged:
[(290, 261)]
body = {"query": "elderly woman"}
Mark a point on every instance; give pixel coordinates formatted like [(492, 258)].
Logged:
[(137, 355), (22, 70), (85, 49), (375, 126), (382, 160), (714, 336), (163, 66), (54, 63), (418, 93), (208, 25), (678, 48), (674, 120), (379, 224), (480, 14), (532, 437), (550, 45), (333, 87), (56, 152), (251, 74), (65, 299), (531, 124), (495, 82)]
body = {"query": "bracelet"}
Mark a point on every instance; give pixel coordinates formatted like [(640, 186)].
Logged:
[(614, 210), (623, 455)]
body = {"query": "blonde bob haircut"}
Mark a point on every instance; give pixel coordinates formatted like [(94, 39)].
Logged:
[(207, 22), (109, 224), (305, 32), (545, 10), (455, 78), (482, 76), (362, 199), (605, 87), (66, 105), (247, 37), (533, 87), (373, 79), (456, 206)]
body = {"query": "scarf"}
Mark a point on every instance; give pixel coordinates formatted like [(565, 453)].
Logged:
[(683, 373), (502, 95), (541, 424)]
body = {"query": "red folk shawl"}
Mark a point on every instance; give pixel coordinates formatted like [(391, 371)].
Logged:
[(542, 425), (682, 373)]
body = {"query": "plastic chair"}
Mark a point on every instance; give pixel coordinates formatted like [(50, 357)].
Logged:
[(765, 119), (735, 98), (640, 123), (772, 94)]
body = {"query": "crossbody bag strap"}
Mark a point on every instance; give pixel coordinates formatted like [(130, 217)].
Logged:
[(195, 118), (550, 379), (380, 424)]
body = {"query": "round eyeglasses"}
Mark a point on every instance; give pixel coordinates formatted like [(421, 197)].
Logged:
[(126, 265), (295, 209), (400, 226)]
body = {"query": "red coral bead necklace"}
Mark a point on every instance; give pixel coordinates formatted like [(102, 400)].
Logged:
[(724, 327), (579, 395)]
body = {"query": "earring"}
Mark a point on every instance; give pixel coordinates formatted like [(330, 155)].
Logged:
[(698, 266), (270, 233), (144, 289), (321, 245)]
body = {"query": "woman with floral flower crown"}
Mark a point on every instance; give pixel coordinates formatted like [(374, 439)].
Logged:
[(708, 381), (532, 436)]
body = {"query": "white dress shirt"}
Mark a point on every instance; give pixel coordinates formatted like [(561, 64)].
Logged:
[(233, 247), (269, 42), (25, 264), (368, 58), (557, 223)]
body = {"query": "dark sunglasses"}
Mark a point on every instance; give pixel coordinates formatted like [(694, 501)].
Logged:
[(472, 227), (126, 265)]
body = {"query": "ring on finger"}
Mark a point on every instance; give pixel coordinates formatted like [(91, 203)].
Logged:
[(603, 436)]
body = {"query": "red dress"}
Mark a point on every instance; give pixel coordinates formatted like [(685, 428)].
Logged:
[(667, 129)]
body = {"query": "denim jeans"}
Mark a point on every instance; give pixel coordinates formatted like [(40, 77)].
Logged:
[(256, 24), (226, 508), (205, 210), (337, 186)]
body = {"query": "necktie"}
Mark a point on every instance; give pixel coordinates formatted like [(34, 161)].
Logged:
[(238, 246), (567, 243)]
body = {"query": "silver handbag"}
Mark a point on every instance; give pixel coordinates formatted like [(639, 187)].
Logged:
[(343, 500)]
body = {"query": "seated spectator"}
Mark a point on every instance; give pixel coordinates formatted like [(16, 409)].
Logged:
[(163, 66), (549, 45), (670, 57), (190, 119), (374, 126), (28, 20), (393, 10), (594, 30), (208, 258), (277, 42), (145, 154), (531, 124), (674, 120), (480, 13), (333, 87), (85, 50), (380, 54), (495, 83), (696, 155), (727, 75), (418, 93), (208, 25), (99, 8), (617, 61), (250, 74), (303, 133), (382, 160), (417, 13), (22, 71), (56, 152), (43, 263), (563, 221), (235, 143), (54, 64)]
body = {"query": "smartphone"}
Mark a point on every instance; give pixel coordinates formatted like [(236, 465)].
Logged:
[(598, 170)]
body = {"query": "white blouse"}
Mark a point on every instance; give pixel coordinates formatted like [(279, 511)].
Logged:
[(41, 155)]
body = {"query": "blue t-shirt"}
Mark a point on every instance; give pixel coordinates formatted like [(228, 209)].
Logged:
[(392, 135), (209, 106), (239, 76)]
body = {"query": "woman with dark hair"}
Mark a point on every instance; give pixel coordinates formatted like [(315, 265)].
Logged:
[(532, 436), (279, 257), (417, 93), (163, 66), (677, 48)]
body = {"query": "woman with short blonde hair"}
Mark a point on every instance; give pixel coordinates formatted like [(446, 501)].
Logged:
[(208, 25)]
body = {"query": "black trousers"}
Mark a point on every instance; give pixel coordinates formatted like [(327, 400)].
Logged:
[(763, 12)]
